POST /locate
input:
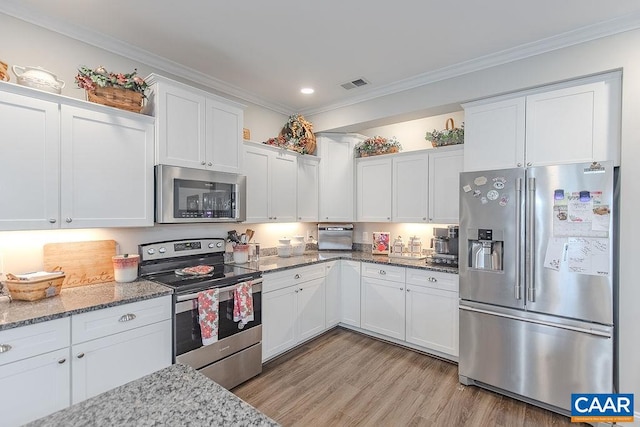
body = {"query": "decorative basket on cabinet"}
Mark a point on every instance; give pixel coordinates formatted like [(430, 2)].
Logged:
[(124, 91), (451, 135)]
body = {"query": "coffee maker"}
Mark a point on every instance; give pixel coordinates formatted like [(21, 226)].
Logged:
[(445, 246)]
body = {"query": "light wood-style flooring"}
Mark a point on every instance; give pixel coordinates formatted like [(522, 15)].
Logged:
[(344, 378)]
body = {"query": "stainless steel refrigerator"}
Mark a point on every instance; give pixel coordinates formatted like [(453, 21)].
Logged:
[(538, 281)]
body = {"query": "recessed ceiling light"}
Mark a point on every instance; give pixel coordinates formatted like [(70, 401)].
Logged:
[(307, 90)]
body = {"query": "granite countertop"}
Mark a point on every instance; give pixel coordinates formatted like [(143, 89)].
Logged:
[(77, 300), (274, 263), (174, 396)]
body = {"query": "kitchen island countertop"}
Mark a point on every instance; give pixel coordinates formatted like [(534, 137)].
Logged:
[(174, 396)]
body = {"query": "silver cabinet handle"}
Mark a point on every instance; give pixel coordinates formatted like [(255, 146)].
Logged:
[(408, 289), (68, 220), (127, 317), (80, 356), (432, 279), (402, 289), (209, 164), (519, 165), (297, 276), (424, 218), (383, 272), (300, 289), (528, 163), (4, 348), (61, 361), (203, 163), (52, 220)]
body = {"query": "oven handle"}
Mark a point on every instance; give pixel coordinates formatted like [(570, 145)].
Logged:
[(255, 288)]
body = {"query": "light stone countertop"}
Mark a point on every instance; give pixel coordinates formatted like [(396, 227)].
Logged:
[(174, 396), (77, 300)]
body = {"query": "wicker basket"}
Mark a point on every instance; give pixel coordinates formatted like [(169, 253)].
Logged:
[(4, 74), (117, 97), (33, 290)]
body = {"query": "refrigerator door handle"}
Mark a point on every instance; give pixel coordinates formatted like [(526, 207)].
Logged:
[(518, 287), (595, 332), (530, 238)]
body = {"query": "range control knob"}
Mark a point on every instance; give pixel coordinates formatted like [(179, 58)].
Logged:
[(151, 251), (211, 245), (162, 250), (219, 244)]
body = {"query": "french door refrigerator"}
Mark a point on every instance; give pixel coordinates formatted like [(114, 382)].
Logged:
[(538, 281)]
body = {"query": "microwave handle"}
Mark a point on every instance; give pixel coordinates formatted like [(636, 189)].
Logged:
[(256, 287)]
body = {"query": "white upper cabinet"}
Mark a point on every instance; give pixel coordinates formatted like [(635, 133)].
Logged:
[(271, 183), (74, 164), (410, 187), (373, 189), (308, 188), (445, 165), (336, 175), (571, 122), (196, 129)]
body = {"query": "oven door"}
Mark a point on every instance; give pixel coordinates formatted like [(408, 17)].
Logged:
[(193, 195), (232, 338)]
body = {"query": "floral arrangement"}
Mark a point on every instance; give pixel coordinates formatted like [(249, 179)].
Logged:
[(448, 136), (377, 145), (89, 79), (296, 135)]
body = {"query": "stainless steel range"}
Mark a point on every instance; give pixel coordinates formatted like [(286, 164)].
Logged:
[(191, 267)]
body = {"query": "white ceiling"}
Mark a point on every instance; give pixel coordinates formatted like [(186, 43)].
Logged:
[(265, 51)]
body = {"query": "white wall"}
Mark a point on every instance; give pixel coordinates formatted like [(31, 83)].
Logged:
[(615, 52)]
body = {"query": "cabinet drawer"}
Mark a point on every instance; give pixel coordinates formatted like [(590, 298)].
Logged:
[(100, 323), (27, 341), (282, 279), (433, 279), (381, 271)]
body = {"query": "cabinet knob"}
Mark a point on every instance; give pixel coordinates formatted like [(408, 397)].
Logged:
[(424, 218), (127, 317), (297, 276), (388, 218), (275, 217), (408, 290), (80, 356), (209, 164), (383, 272), (402, 289), (203, 163), (68, 220), (4, 348), (327, 217), (299, 218), (52, 220), (61, 361), (300, 289), (519, 165), (528, 163), (432, 279)]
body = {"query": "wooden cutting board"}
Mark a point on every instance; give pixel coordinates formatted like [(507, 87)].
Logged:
[(83, 263)]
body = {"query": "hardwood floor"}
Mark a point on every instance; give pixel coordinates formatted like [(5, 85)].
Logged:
[(344, 378)]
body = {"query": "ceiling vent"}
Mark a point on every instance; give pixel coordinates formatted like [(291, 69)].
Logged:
[(354, 83)]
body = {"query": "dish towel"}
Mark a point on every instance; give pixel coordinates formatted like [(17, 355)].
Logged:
[(243, 304), (208, 315)]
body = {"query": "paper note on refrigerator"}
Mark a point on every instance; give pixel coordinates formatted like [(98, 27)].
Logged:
[(555, 253), (588, 256)]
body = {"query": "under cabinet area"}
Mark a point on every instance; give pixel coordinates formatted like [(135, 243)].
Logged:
[(571, 122), (195, 129), (78, 164)]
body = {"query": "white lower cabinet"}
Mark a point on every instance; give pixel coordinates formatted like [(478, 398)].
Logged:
[(383, 300), (293, 308), (43, 369), (350, 293), (332, 293)]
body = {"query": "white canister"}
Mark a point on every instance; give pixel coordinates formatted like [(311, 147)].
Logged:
[(298, 245), (284, 247), (241, 254), (125, 268)]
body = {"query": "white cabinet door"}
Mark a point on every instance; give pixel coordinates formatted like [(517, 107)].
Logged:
[(410, 188), (350, 292), (30, 156), (494, 134), (311, 309), (336, 176), (180, 119), (332, 293), (432, 319), (444, 176), (283, 189), (35, 387), (257, 165), (308, 188), (107, 169), (383, 307), (223, 137), (373, 190), (278, 321), (105, 363)]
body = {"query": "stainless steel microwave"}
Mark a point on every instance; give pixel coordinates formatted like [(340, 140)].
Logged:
[(185, 195)]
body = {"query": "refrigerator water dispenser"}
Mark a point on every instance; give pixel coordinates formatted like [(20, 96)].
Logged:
[(484, 252)]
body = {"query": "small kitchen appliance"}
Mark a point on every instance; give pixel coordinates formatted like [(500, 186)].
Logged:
[(335, 237), (237, 354), (445, 246)]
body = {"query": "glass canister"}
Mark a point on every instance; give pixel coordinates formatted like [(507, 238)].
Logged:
[(415, 246), (398, 245)]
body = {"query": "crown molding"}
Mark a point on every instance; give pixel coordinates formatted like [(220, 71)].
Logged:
[(570, 38)]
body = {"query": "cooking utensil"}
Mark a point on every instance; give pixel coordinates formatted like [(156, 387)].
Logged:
[(250, 234), (84, 263)]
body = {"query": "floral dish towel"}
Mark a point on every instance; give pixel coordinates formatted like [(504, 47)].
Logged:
[(243, 304), (208, 315)]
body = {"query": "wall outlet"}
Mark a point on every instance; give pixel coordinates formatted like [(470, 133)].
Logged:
[(365, 236)]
